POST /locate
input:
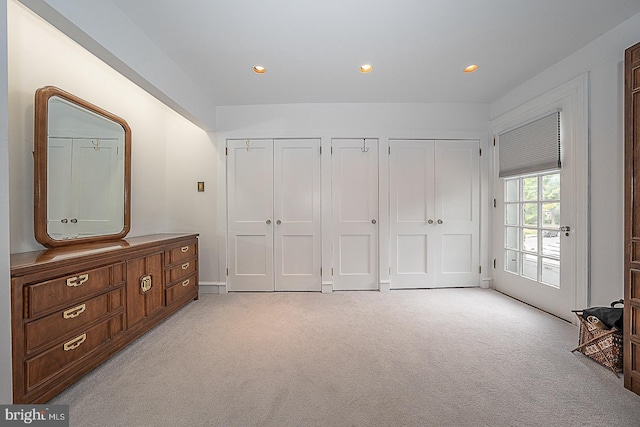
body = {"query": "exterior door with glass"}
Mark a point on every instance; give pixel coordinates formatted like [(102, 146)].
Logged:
[(535, 244)]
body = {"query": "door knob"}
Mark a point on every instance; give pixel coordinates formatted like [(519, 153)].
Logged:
[(430, 221), (439, 221), (278, 222), (268, 221), (565, 228), (373, 221)]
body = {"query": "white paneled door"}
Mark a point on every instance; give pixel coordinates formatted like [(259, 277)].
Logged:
[(274, 215), (354, 169), (297, 215), (250, 215), (434, 213)]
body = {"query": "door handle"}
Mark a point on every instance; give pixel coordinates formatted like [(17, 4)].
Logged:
[(565, 228), (373, 221), (439, 221), (268, 221), (430, 221), (278, 222)]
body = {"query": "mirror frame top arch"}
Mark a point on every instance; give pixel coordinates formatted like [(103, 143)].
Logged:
[(41, 150)]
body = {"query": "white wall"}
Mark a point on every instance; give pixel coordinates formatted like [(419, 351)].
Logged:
[(191, 157), (5, 290), (603, 60), (101, 28), (40, 55), (381, 121)]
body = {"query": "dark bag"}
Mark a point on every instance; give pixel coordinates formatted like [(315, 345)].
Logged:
[(609, 316)]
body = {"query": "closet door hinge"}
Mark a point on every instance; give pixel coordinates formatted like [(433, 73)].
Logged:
[(226, 151), (494, 263), (494, 203), (494, 141), (389, 271), (332, 271), (331, 150), (480, 269), (320, 271), (389, 150), (227, 271), (481, 152)]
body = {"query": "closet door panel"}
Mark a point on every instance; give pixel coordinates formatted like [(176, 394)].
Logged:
[(355, 213), (96, 173), (250, 214), (457, 212), (59, 181), (411, 208), (297, 214)]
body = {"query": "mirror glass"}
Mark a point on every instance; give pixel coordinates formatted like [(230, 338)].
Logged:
[(82, 175)]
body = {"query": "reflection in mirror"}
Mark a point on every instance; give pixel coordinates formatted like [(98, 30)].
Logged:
[(82, 175)]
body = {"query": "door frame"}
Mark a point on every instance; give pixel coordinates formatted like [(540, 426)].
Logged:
[(572, 99)]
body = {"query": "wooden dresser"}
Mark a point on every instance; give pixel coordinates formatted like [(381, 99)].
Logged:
[(74, 307)]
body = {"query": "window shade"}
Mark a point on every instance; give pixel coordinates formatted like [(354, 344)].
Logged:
[(534, 147)]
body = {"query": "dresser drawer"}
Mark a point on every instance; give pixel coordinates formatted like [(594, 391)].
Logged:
[(61, 292), (44, 366), (54, 326), (184, 287), (180, 253), (180, 271)]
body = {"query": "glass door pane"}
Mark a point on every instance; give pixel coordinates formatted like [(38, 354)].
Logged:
[(531, 228)]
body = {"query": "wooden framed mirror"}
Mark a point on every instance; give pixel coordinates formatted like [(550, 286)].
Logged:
[(82, 171)]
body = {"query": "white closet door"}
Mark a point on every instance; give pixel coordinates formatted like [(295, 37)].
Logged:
[(457, 206), (250, 215), (412, 214), (59, 182), (96, 173), (297, 214), (354, 169)]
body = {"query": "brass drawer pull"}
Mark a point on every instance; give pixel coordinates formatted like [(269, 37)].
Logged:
[(74, 312), (78, 280), (186, 282), (145, 284), (184, 249), (185, 265), (75, 343)]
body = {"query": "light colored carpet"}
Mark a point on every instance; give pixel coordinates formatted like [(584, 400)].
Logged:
[(446, 357)]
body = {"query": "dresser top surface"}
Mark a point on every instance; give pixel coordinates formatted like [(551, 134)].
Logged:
[(45, 257)]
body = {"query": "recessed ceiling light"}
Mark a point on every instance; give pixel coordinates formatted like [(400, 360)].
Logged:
[(470, 68), (259, 69), (366, 68)]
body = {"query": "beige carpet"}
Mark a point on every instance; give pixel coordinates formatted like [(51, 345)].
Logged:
[(449, 357)]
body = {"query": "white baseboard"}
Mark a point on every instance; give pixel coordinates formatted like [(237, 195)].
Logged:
[(486, 283), (327, 287), (384, 286), (213, 288)]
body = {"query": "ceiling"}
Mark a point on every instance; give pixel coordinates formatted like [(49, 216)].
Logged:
[(418, 48)]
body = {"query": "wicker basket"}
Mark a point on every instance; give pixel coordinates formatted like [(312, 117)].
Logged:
[(602, 345)]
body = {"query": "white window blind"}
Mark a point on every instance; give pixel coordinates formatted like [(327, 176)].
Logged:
[(531, 148)]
